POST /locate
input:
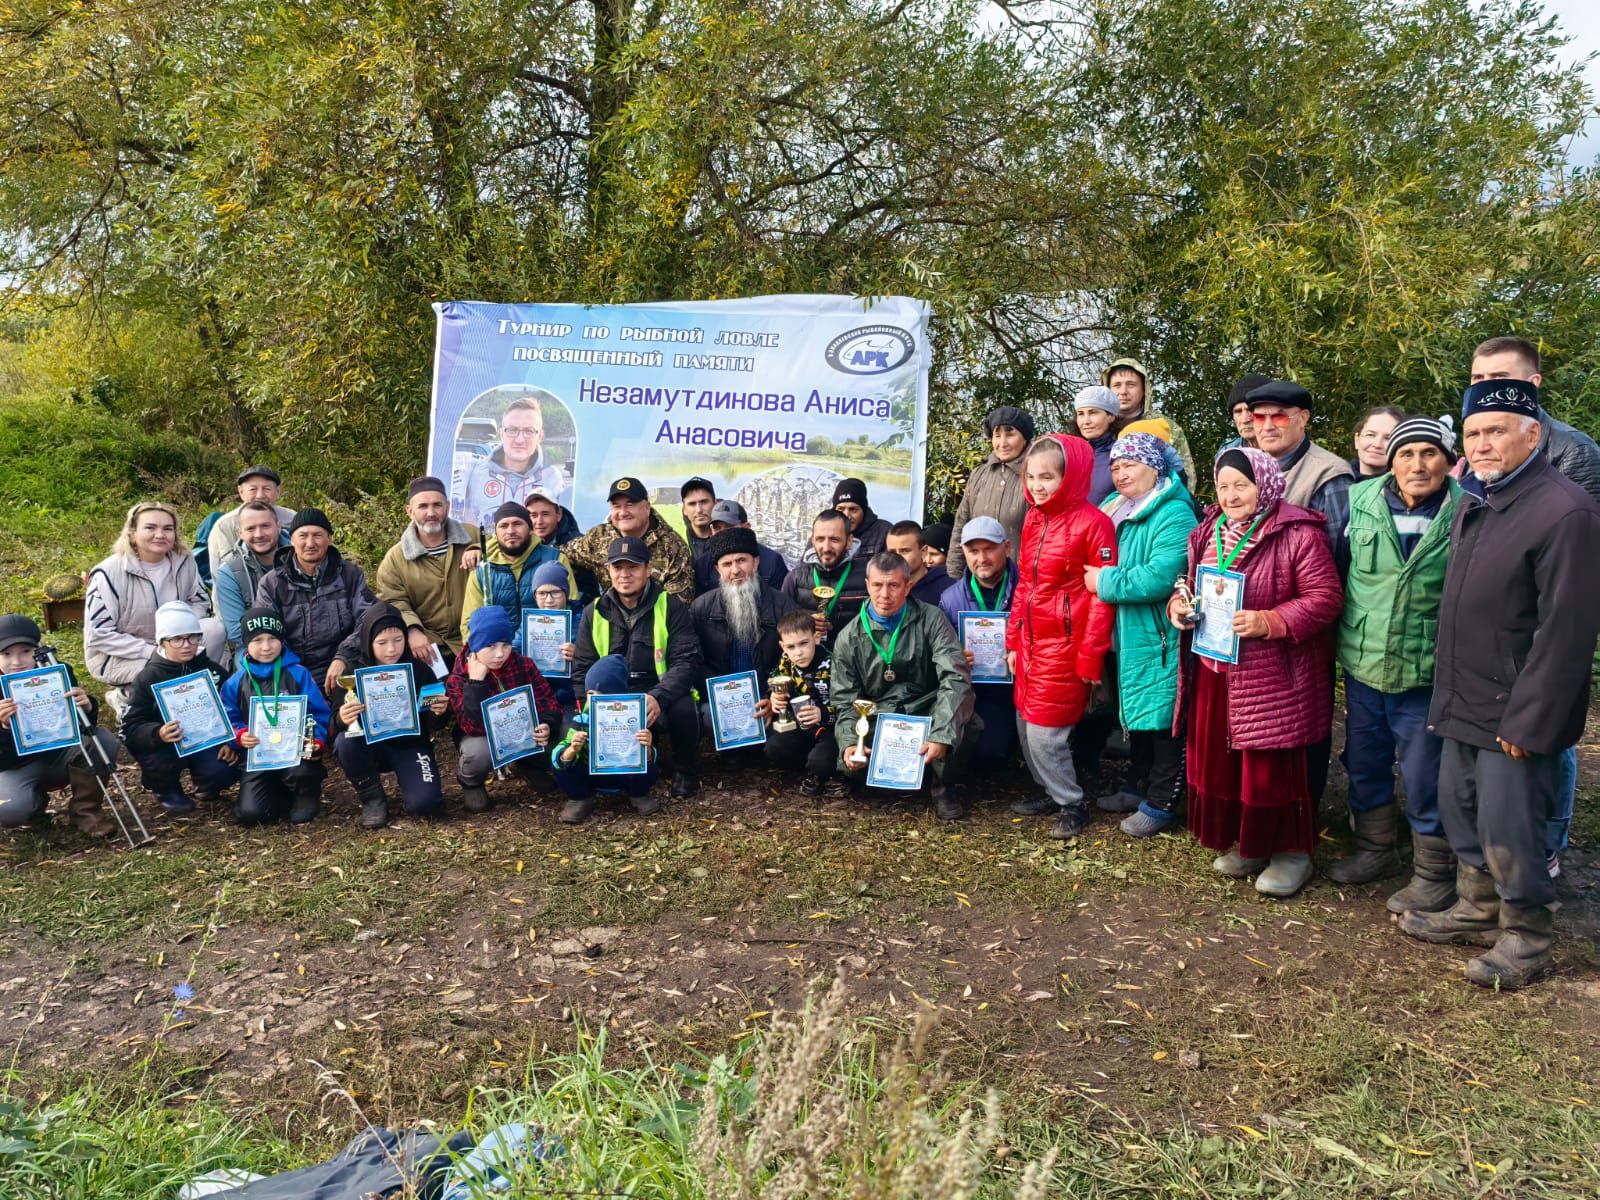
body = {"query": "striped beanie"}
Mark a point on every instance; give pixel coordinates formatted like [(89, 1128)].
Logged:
[(1437, 432)]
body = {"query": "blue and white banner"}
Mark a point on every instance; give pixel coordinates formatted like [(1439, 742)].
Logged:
[(774, 399)]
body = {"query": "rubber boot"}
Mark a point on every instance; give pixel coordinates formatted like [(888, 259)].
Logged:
[(1433, 874), (474, 798), (1375, 856), (1285, 874), (307, 806), (374, 803), (87, 807), (945, 805), (1523, 953), (1473, 920)]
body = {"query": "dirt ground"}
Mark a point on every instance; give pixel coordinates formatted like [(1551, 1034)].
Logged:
[(422, 960)]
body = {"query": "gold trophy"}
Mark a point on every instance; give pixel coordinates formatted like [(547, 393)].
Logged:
[(819, 615), (308, 742), (348, 682), (865, 710), (780, 687), (1189, 603)]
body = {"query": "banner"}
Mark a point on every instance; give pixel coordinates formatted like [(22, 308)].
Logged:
[(774, 399)]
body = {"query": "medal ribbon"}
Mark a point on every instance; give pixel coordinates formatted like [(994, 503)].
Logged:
[(277, 670), (1224, 563), (894, 638), (977, 593), (816, 582)]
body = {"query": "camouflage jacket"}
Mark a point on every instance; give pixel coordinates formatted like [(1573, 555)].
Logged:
[(671, 564)]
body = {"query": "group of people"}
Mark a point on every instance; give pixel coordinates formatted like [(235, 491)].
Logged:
[(1452, 586)]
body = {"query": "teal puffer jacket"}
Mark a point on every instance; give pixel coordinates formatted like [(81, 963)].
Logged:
[(1152, 551)]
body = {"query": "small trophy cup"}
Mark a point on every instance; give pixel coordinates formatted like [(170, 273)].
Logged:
[(308, 742), (865, 710), (1189, 603), (824, 593), (348, 682), (780, 687)]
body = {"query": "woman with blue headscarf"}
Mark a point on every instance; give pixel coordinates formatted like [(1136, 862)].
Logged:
[(1153, 515)]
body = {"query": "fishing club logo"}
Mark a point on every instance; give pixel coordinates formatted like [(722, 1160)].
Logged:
[(870, 350)]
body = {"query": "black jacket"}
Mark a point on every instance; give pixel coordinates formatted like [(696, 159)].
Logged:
[(848, 600), (10, 760), (772, 569), (357, 654), (873, 536), (1518, 618), (142, 719), (317, 614), (716, 639), (632, 637), (1572, 452)]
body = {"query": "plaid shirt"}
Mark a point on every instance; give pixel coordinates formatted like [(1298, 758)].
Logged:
[(467, 695)]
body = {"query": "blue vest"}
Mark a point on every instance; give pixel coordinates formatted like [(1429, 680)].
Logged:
[(511, 592)]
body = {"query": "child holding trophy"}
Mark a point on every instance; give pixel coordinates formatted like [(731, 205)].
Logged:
[(802, 721), (270, 673), (1059, 632)]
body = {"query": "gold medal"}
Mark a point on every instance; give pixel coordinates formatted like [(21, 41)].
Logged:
[(274, 737)]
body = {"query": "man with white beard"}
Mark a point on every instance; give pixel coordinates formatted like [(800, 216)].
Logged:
[(425, 573), (737, 621)]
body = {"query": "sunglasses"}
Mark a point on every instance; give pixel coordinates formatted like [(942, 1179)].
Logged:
[(1279, 419)]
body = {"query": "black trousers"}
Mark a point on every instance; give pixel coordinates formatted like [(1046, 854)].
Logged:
[(412, 760), (682, 721), (266, 796), (1155, 768), (1495, 809), (803, 747)]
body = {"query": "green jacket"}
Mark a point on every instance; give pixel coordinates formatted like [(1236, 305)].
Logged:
[(931, 676), (1391, 604), (1152, 551)]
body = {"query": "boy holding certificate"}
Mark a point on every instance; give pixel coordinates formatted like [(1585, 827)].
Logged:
[(806, 664), (550, 583), (410, 758), (271, 670), (488, 666), (608, 676), (26, 780), (156, 736)]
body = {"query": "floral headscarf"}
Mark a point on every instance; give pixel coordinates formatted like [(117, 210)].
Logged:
[(1262, 470), (1141, 448)]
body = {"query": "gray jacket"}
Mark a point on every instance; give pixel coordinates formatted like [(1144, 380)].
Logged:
[(119, 612)]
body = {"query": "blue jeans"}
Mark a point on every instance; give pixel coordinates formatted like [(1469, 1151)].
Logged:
[(1383, 726), (1560, 825)]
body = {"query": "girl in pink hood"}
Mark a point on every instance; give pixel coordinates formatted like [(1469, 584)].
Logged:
[(1059, 631)]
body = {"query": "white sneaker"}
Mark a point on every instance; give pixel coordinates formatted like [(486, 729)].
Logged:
[(1553, 865), (1285, 875)]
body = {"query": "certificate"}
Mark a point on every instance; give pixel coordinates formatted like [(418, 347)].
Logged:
[(614, 725), (509, 720), (280, 723), (192, 702), (46, 719), (896, 760), (390, 695), (984, 633), (733, 700), (544, 632), (1220, 594)]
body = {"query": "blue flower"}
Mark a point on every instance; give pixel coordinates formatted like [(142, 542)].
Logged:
[(183, 992)]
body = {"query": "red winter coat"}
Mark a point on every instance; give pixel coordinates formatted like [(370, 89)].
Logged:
[(1280, 692), (1059, 629)]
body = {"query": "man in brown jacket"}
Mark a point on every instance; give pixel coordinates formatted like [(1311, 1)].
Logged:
[(425, 573)]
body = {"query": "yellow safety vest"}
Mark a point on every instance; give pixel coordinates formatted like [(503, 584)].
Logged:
[(600, 631)]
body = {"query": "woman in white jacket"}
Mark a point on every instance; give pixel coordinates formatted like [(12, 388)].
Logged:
[(148, 567)]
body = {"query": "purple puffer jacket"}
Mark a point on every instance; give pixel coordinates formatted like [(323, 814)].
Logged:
[(1280, 692)]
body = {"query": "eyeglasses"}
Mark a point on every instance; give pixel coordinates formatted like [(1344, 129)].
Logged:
[(520, 431), (185, 639), (1279, 419)]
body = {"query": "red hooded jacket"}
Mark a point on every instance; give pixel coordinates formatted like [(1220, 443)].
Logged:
[(1059, 629)]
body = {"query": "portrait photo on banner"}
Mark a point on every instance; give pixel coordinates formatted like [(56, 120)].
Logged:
[(511, 440)]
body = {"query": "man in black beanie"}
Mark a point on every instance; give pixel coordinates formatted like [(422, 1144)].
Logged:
[(737, 621), (319, 594), (869, 529), (1239, 411)]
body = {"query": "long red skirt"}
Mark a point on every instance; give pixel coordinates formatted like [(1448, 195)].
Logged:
[(1258, 800)]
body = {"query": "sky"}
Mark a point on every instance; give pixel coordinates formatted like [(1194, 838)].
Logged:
[(1581, 21)]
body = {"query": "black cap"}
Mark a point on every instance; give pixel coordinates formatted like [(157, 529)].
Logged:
[(253, 472), (1009, 414), (426, 483), (512, 509), (697, 483), (311, 517), (1243, 386), (16, 630), (736, 539), (627, 488), (1280, 391), (261, 620), (628, 549), (850, 491), (938, 536)]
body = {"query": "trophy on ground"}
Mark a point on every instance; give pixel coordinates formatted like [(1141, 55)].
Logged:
[(780, 686), (865, 711), (348, 683)]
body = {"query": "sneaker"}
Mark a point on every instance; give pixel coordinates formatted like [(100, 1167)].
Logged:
[(1143, 824), (176, 804), (475, 799), (208, 796), (811, 786), (1070, 824), (648, 804), (1553, 865), (684, 784), (836, 789), (576, 812), (1119, 802), (1035, 806)]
